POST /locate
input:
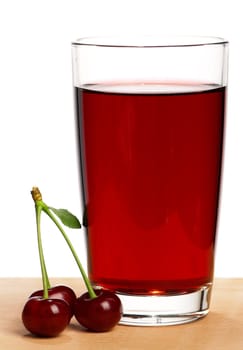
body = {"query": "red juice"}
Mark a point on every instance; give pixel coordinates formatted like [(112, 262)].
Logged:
[(151, 162)]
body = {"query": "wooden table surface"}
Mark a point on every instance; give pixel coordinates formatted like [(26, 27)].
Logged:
[(221, 329)]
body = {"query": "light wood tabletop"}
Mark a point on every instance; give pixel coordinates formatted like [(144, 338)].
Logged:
[(221, 329)]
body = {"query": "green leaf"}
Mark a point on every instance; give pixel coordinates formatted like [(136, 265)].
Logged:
[(67, 218)]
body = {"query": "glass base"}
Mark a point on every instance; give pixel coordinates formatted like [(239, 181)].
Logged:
[(166, 309)]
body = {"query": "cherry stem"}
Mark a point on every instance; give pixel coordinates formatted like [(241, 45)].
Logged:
[(40, 205), (45, 279), (85, 277)]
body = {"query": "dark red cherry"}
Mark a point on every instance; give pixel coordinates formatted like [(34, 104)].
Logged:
[(45, 317), (59, 292), (98, 314)]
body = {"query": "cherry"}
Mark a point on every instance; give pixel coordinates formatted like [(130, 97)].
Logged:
[(59, 292), (100, 313), (45, 317)]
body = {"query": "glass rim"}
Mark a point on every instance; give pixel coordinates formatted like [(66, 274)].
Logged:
[(143, 41)]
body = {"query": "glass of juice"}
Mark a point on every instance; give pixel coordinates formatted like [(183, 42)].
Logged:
[(150, 115)]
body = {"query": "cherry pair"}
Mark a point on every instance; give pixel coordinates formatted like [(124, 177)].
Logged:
[(49, 317), (47, 312)]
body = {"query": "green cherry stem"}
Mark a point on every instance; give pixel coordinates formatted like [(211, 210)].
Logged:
[(45, 280), (40, 205), (86, 280)]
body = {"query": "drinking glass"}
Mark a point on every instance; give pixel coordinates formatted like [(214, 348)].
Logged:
[(150, 123)]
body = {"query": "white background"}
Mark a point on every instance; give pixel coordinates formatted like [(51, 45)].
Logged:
[(37, 142)]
